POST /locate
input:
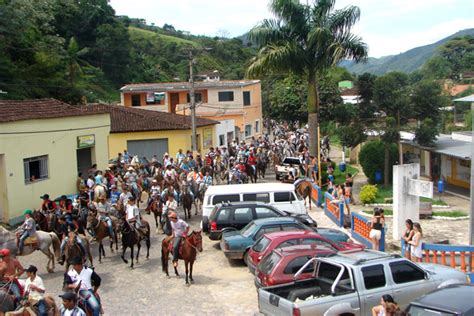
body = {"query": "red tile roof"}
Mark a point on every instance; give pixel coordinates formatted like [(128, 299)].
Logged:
[(20, 110), (127, 119)]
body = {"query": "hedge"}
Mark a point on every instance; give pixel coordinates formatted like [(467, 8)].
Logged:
[(372, 158)]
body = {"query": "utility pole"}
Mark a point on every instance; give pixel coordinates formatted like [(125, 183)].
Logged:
[(194, 147)]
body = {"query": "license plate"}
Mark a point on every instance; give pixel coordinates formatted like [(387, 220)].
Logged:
[(274, 300)]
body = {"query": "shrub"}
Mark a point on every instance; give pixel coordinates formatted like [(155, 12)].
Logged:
[(372, 158), (368, 193)]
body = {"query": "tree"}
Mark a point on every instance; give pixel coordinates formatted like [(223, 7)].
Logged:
[(425, 134), (365, 86), (287, 100), (305, 40), (427, 98)]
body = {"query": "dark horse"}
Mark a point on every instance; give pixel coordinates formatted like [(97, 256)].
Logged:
[(304, 189), (261, 166), (251, 172), (189, 245), (187, 201), (72, 250), (131, 237), (156, 207)]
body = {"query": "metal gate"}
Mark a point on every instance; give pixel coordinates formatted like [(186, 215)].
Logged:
[(148, 147)]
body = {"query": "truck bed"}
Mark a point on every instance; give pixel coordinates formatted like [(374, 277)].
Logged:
[(301, 290)]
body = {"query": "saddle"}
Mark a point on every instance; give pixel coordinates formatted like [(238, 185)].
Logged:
[(170, 247), (32, 241)]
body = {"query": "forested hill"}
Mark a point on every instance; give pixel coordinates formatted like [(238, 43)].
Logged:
[(80, 51), (408, 61)]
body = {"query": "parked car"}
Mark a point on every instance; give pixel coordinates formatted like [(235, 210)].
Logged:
[(265, 244), (455, 299), (352, 283), (280, 265), (234, 216), (279, 195), (289, 164), (236, 244)]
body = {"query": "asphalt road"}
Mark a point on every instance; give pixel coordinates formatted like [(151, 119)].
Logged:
[(221, 287)]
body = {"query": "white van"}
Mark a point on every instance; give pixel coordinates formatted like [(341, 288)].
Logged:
[(280, 195)]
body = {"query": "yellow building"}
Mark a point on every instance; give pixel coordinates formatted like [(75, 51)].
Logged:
[(147, 133), (237, 104), (43, 145)]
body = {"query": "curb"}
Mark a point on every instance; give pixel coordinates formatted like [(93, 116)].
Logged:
[(432, 217), (390, 205)]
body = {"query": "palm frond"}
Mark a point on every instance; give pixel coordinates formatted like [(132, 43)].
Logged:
[(343, 20), (283, 57), (347, 46), (268, 31), (293, 14)]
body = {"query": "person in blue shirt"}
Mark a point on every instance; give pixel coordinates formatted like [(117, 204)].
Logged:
[(114, 194)]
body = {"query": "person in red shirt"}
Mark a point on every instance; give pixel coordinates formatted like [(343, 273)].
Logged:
[(48, 205), (252, 161), (242, 168)]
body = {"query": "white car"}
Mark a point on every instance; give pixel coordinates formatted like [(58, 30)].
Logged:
[(289, 164)]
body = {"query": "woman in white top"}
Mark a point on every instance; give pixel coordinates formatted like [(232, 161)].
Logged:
[(416, 243)]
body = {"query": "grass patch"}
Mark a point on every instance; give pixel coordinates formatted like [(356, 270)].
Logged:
[(453, 214), (137, 33), (434, 202), (340, 177), (385, 212), (383, 193)]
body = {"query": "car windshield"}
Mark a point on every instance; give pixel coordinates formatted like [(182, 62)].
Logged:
[(261, 244), (424, 311), (248, 230), (291, 161), (269, 262)]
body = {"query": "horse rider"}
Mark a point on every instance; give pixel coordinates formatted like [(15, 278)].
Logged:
[(133, 215), (154, 191), (180, 156), (114, 194), (69, 305), (170, 173), (206, 181), (66, 207), (180, 230), (83, 197), (252, 161), (34, 290), (27, 229), (185, 165), (87, 281), (70, 226), (124, 196), (48, 206), (209, 161), (103, 214), (166, 159), (10, 270), (224, 155)]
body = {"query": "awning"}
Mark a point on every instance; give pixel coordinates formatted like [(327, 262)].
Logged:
[(469, 98)]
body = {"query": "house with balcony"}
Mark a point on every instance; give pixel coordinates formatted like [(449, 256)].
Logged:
[(236, 104)]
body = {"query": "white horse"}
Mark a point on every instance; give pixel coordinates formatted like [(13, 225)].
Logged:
[(99, 190), (45, 240)]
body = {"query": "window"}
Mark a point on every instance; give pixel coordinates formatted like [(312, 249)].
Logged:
[(260, 197), (136, 100), (248, 130), (257, 126), (263, 212), (318, 242), (261, 244), (403, 272), (297, 263), (221, 140), (288, 243), (283, 196), (269, 262), (197, 97), (223, 215), (246, 96), (374, 276), (225, 96), (36, 168), (266, 230), (291, 227), (243, 214), (226, 198)]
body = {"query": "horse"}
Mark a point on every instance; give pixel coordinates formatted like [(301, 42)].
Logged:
[(131, 237), (99, 190), (101, 231), (304, 188), (29, 310), (44, 241), (189, 247), (261, 165), (156, 207), (72, 249), (251, 172), (41, 220), (188, 201)]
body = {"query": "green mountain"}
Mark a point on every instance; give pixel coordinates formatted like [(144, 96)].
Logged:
[(408, 61)]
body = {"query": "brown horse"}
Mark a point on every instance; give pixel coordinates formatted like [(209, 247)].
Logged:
[(156, 207), (101, 231), (41, 220), (72, 249), (189, 248), (29, 310), (304, 189)]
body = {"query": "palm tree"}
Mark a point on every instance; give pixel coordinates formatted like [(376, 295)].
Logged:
[(306, 39)]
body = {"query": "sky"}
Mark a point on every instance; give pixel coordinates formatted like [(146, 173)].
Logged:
[(389, 27)]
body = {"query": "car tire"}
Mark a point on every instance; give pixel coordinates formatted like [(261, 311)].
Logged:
[(205, 224), (246, 256)]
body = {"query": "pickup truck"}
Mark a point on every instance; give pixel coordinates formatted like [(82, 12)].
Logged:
[(289, 164), (352, 282)]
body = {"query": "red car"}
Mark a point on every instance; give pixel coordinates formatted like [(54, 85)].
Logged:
[(265, 244), (281, 264)]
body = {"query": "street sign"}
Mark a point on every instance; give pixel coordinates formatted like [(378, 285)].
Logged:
[(420, 188)]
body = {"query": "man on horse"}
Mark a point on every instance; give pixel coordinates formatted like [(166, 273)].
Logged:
[(69, 306), (252, 161), (87, 281), (154, 192), (206, 181), (10, 270), (47, 206), (133, 215), (180, 230), (27, 229), (34, 290), (103, 214), (70, 226)]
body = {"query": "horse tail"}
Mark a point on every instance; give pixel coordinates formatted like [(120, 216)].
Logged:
[(56, 244), (163, 263), (307, 191)]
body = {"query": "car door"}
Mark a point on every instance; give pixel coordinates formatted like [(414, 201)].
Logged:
[(409, 281), (222, 218), (241, 217), (374, 284), (265, 212)]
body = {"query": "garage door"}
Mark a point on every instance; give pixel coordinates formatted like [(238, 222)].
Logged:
[(148, 147)]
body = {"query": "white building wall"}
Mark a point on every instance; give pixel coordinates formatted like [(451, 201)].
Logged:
[(225, 127)]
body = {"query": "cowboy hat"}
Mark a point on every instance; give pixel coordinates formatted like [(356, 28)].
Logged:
[(130, 169)]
